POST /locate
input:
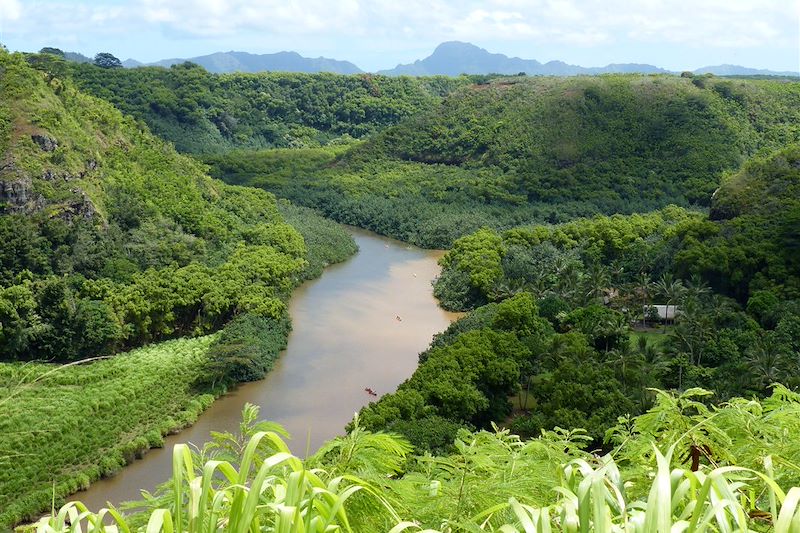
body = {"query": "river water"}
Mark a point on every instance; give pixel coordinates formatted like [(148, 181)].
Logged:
[(346, 337)]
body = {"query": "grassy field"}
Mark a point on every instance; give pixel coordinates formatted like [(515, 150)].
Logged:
[(656, 336), (63, 427)]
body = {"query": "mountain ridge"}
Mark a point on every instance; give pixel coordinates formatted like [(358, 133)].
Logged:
[(455, 57), (234, 61), (450, 58)]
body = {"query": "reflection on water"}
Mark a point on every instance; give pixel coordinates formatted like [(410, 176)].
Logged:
[(346, 337)]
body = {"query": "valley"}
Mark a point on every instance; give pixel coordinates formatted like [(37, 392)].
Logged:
[(595, 289)]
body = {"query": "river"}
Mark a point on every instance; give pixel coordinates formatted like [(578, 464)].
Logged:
[(346, 337)]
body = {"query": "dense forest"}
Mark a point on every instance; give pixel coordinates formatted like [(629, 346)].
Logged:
[(548, 299), (626, 250), (112, 240), (210, 113), (511, 151)]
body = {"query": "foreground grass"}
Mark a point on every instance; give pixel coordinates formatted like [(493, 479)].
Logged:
[(62, 428), (251, 482)]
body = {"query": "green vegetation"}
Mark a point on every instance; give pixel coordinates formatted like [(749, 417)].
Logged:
[(63, 427), (513, 151), (112, 240), (754, 250), (612, 237), (591, 281), (246, 349), (326, 242), (208, 113), (722, 469)]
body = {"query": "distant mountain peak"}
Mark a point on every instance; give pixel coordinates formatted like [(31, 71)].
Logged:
[(737, 70), (457, 46), (452, 58), (285, 61)]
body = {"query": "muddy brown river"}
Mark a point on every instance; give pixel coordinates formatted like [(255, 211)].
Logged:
[(346, 337)]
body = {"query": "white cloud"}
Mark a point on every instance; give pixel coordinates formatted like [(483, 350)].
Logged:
[(10, 10), (510, 24), (719, 23), (412, 24), (220, 17)]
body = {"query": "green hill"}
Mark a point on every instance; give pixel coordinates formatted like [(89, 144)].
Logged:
[(755, 247), (518, 150), (111, 239), (202, 112), (601, 138)]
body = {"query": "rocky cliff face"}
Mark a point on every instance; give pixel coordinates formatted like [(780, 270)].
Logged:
[(18, 194), (47, 144), (16, 191)]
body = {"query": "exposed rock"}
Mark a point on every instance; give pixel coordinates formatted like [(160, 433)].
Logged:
[(18, 196), (91, 165), (17, 192), (48, 144), (82, 208), (8, 167)]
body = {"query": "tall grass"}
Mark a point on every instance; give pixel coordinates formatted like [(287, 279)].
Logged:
[(593, 499), (281, 494), (278, 494), (132, 401)]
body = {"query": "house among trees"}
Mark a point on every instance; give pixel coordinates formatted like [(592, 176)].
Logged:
[(661, 313)]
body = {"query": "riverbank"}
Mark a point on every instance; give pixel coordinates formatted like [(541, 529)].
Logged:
[(65, 427), (345, 337), (48, 451)]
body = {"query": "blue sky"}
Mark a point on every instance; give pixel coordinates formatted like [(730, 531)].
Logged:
[(376, 34)]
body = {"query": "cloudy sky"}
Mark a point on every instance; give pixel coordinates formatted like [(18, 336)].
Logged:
[(376, 34)]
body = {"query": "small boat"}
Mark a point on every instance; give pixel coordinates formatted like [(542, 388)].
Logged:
[(370, 391), (398, 318)]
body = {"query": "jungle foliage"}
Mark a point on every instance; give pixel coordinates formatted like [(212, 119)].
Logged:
[(111, 239), (572, 208), (512, 151), (596, 280), (745, 479), (202, 112)]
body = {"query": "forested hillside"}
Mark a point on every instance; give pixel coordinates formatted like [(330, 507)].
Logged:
[(111, 240), (517, 150), (755, 243), (202, 112), (626, 249)]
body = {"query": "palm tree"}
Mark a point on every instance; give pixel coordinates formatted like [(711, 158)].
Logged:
[(598, 278), (612, 326), (693, 331), (696, 288), (625, 361), (561, 349), (653, 356), (672, 289), (569, 284), (645, 285), (507, 288), (768, 359)]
